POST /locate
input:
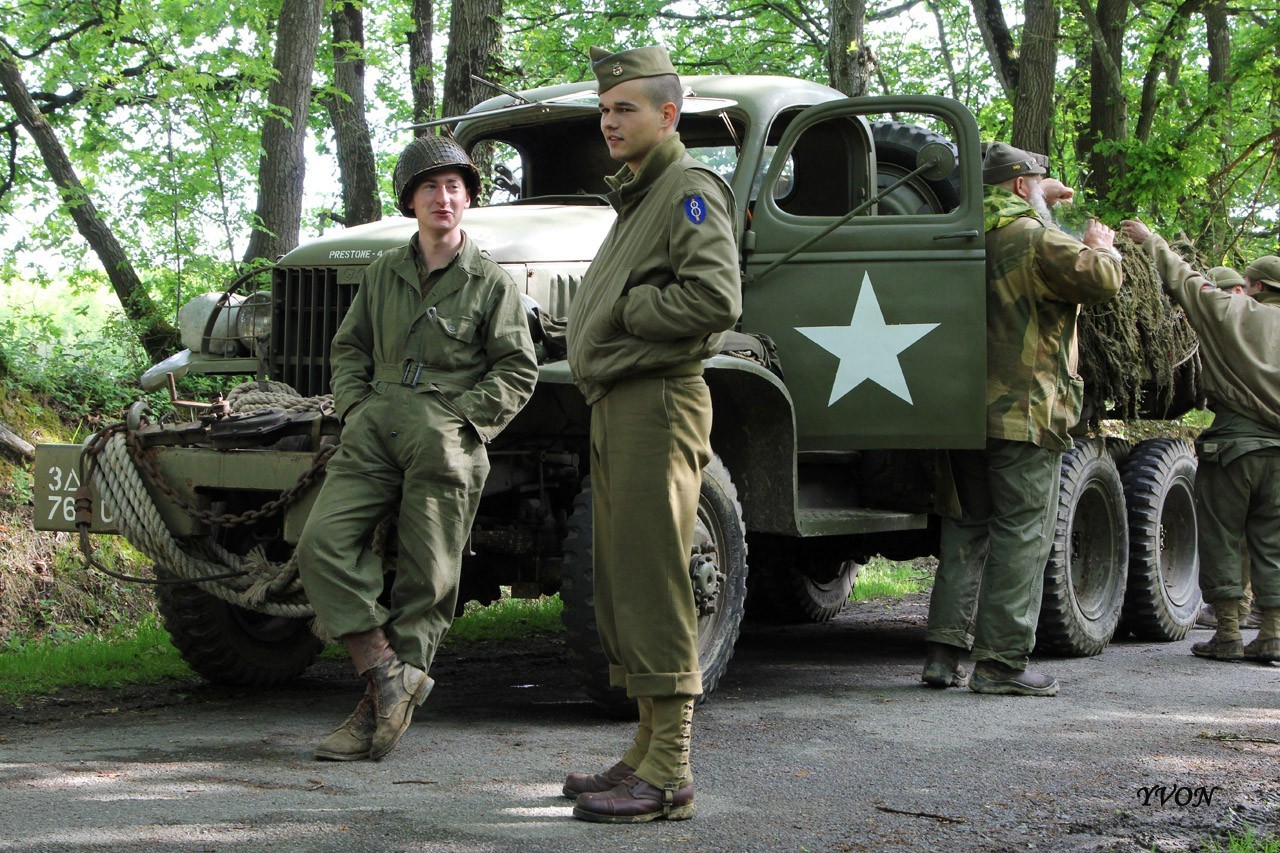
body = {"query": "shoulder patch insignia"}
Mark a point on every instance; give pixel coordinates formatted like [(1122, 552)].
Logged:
[(695, 207)]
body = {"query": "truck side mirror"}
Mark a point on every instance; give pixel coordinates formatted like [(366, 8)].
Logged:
[(938, 159)]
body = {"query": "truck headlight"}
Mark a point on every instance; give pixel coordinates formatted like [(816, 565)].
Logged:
[(253, 322), (194, 321)]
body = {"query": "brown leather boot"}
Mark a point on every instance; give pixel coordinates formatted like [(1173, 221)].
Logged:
[(1265, 648), (635, 801), (993, 677), (576, 784), (353, 740)]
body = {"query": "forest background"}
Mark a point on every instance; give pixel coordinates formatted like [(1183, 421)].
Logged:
[(154, 149)]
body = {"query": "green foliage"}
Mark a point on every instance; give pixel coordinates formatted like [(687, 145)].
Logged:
[(507, 619), (138, 653), (881, 578), (1249, 842)]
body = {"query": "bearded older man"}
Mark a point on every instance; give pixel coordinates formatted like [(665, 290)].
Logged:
[(991, 573)]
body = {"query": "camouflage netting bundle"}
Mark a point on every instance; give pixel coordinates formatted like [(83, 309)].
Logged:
[(1138, 349)]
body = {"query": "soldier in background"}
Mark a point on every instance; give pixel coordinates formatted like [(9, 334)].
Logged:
[(1230, 281), (991, 570), (432, 360), (654, 302), (1238, 479)]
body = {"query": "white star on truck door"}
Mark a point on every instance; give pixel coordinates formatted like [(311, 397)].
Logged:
[(868, 348)]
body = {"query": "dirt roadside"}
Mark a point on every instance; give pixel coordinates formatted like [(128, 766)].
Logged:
[(819, 738)]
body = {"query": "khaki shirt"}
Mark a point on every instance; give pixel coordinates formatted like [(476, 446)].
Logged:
[(467, 338), (665, 283), (1037, 279), (1239, 347)]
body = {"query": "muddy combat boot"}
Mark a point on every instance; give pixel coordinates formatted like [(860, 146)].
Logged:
[(595, 783), (637, 799), (395, 687), (1265, 648), (353, 740), (942, 667), (1225, 643), (993, 677)]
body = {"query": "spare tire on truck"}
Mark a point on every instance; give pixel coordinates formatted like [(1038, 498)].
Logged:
[(897, 145), (1163, 594), (1084, 581)]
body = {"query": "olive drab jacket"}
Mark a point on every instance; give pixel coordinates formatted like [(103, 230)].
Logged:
[(466, 339), (664, 285), (1240, 349), (1037, 279)]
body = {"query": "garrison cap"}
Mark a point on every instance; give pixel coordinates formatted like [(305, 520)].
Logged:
[(1225, 278), (1265, 269), (614, 68), (1002, 162)]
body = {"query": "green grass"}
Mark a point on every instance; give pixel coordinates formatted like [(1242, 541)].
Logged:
[(507, 619), (1247, 843), (141, 655), (881, 578)]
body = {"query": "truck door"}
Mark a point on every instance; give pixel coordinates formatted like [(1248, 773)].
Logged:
[(880, 324)]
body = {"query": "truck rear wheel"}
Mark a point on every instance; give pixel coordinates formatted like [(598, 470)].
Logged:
[(1084, 580), (897, 145), (231, 645), (717, 570), (792, 587), (1163, 595)]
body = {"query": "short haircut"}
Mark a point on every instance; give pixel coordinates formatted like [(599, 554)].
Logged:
[(665, 89)]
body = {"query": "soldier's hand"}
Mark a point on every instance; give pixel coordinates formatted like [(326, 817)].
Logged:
[(1056, 192), (1098, 236), (1135, 230)]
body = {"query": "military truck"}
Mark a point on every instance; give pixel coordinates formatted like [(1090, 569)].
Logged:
[(859, 356)]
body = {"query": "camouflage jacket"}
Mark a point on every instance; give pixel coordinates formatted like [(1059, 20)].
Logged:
[(1037, 279), (1239, 347), (664, 284)]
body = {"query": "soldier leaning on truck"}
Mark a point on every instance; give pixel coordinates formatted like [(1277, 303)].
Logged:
[(432, 360), (1238, 480), (991, 572), (662, 288)]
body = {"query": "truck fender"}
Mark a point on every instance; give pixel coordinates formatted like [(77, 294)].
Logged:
[(754, 432)]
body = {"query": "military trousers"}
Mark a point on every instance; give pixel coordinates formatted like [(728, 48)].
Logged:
[(1239, 501), (409, 456), (990, 579), (650, 439)]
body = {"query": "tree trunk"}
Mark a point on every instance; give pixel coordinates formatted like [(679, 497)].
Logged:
[(15, 445), (849, 57), (1108, 117), (475, 39), (1217, 228), (989, 15), (157, 335), (421, 64), (283, 164), (350, 128), (1038, 59)]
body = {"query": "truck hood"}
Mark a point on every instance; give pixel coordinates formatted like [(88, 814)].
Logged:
[(510, 234)]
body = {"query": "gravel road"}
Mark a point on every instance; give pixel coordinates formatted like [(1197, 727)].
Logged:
[(819, 738)]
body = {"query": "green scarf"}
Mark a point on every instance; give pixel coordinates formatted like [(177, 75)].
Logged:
[(1000, 207)]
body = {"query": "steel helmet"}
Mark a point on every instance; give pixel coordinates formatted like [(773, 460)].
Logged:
[(427, 154)]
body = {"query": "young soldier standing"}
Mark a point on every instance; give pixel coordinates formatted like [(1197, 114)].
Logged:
[(653, 304), (430, 363)]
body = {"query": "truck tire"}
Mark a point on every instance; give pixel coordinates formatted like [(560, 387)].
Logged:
[(720, 561), (1084, 581), (897, 145), (1163, 595), (231, 645), (791, 587)]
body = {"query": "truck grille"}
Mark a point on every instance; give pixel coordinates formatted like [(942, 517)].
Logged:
[(307, 306)]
